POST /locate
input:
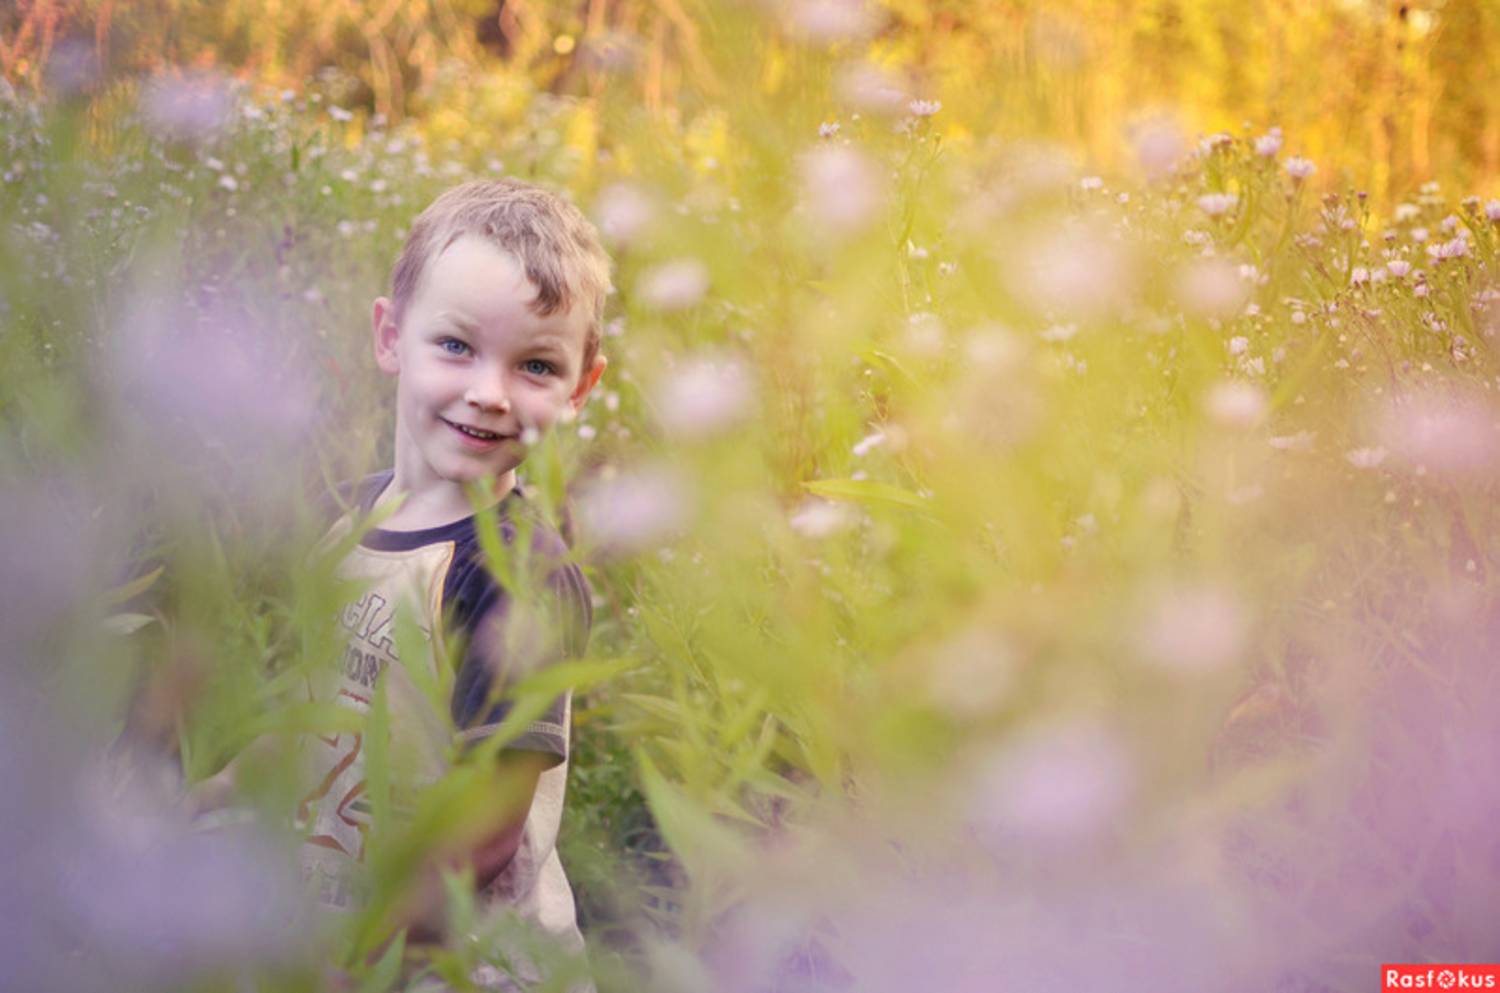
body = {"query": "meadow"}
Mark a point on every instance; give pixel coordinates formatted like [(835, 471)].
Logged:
[(1012, 570)]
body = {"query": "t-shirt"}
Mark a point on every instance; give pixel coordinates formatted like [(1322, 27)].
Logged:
[(432, 588)]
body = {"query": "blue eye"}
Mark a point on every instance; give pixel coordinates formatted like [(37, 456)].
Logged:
[(453, 346), (537, 367)]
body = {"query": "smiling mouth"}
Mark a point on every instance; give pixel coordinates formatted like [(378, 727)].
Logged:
[(475, 433)]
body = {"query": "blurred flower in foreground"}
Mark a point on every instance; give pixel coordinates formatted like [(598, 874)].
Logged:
[(1075, 270), (207, 378), (996, 401), (192, 108), (1060, 784), (819, 518), (1211, 289), (192, 903), (1159, 144), (872, 89), (1435, 431), (705, 395), (634, 510), (36, 945), (841, 188), (610, 52), (624, 213), (1236, 404), (834, 20), (674, 285), (72, 67), (1365, 458), (970, 674), (104, 888), (1193, 629), (47, 556)]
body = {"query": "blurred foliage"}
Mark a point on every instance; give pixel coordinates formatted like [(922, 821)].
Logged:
[(1041, 541), (1396, 84)]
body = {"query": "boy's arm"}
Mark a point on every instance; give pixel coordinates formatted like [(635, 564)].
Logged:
[(516, 773)]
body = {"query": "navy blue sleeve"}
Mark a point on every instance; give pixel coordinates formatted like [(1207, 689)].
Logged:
[(505, 639)]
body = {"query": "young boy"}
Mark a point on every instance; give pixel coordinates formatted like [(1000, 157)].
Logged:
[(492, 333)]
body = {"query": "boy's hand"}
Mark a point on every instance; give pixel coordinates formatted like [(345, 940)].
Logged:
[(515, 778), (213, 793), (218, 791)]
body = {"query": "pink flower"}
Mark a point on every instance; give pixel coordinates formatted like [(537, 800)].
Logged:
[(1211, 288), (818, 518), (1193, 629), (704, 396), (1268, 144), (1449, 435), (186, 109), (674, 285), (1456, 249), (873, 89), (1218, 204), (1365, 458), (624, 213), (836, 20), (842, 189), (1302, 441), (1236, 404), (970, 674), (1159, 144), (1059, 784), (635, 510), (1073, 271), (1299, 168)]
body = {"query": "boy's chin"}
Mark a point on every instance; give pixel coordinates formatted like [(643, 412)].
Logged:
[(502, 478)]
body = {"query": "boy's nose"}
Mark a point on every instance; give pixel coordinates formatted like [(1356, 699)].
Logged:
[(488, 393)]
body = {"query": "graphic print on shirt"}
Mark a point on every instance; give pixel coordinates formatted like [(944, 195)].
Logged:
[(338, 805), (336, 811)]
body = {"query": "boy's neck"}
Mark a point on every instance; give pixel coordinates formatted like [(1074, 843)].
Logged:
[(433, 507)]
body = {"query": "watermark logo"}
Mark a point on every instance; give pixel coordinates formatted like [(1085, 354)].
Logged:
[(1432, 976)]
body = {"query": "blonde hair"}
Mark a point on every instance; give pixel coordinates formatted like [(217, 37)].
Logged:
[(555, 244)]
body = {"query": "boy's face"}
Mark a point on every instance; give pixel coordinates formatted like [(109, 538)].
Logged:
[(476, 368)]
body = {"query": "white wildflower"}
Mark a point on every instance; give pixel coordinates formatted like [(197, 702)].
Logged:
[(1299, 168), (1267, 145), (1236, 404), (1365, 458), (1218, 204)]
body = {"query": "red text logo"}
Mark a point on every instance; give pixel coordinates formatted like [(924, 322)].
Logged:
[(1431, 976)]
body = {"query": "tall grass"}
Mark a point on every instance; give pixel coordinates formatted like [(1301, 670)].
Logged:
[(1013, 577)]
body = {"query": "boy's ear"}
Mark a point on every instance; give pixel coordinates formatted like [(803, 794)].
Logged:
[(386, 335), (587, 382)]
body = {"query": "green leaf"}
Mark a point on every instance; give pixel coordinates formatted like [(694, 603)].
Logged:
[(133, 588), (553, 680), (123, 624), (383, 975), (867, 492), (697, 837)]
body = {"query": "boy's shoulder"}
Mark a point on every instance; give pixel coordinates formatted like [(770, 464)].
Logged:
[(518, 521)]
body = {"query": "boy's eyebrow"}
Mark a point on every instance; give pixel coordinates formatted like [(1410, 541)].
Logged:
[(458, 319)]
